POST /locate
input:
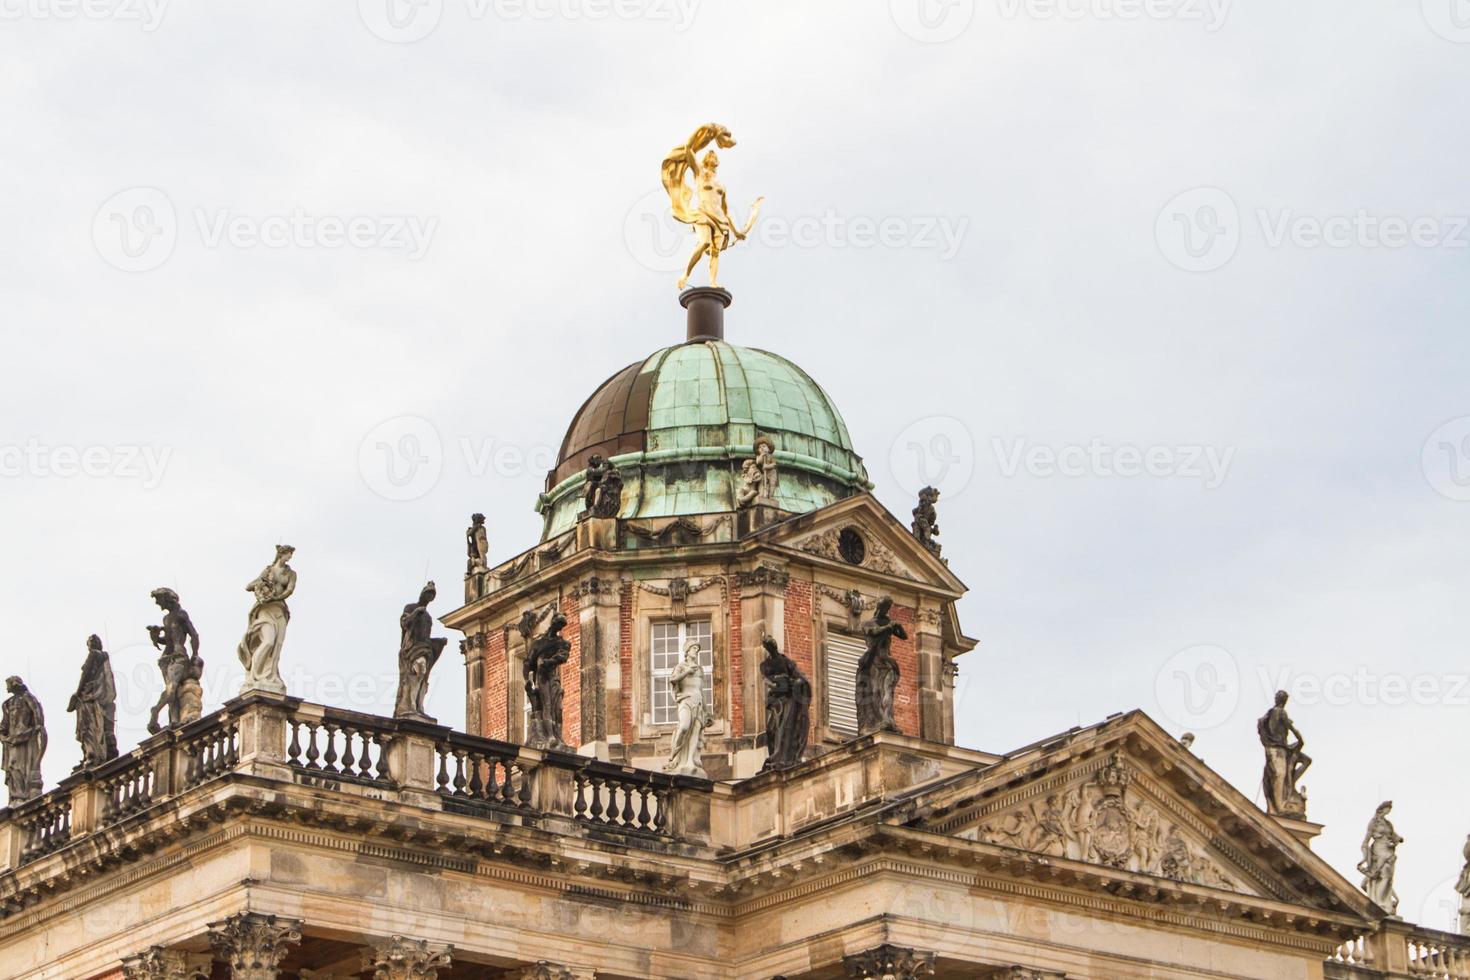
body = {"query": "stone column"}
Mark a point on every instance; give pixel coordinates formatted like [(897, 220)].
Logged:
[(599, 608), (254, 944), (929, 644), (762, 613), (889, 963), (401, 958), (160, 963)]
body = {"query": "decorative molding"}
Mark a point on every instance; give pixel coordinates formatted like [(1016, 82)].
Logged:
[(161, 963), (595, 586), (543, 970), (678, 589), (763, 575), (254, 944), (401, 958), (889, 963), (877, 557), (682, 527), (516, 568)]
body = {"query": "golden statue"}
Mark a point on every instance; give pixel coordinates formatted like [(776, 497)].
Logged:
[(714, 228)]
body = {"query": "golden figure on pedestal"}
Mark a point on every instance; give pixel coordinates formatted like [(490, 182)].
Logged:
[(714, 228)]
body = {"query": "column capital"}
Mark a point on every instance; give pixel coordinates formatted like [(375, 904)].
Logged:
[(889, 963), (401, 958), (1027, 973), (254, 944), (161, 963), (543, 970)]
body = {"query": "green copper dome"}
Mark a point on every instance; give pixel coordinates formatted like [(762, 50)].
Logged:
[(679, 424)]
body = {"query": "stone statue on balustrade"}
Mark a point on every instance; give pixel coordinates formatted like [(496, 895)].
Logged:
[(1463, 887), (877, 672), (477, 544), (541, 672), (603, 492), (178, 660), (926, 521), (95, 705), (418, 652), (23, 740), (788, 708), (1285, 762), (1380, 856), (265, 633), (686, 684)]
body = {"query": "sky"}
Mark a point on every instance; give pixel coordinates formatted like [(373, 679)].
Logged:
[(1166, 296)]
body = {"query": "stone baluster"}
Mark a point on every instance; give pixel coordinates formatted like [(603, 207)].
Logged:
[(401, 958), (161, 963), (254, 944), (889, 963)]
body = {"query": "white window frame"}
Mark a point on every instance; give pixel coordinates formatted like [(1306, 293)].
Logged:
[(661, 708)]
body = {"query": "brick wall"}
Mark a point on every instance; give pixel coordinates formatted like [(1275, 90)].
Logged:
[(625, 659), (906, 652), (494, 711), (571, 675), (798, 644)]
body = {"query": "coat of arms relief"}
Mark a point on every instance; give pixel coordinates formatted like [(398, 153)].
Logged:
[(1097, 822)]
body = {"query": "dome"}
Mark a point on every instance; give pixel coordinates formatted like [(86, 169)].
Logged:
[(679, 423)]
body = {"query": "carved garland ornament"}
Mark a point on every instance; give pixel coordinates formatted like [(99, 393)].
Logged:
[(1097, 823)]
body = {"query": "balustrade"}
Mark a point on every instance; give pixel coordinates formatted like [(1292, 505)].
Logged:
[(612, 797), (483, 771)]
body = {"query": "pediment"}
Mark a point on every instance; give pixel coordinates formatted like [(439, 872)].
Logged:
[(1126, 797), (884, 546)]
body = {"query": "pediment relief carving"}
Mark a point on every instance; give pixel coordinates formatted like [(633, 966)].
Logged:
[(853, 544), (1104, 817)]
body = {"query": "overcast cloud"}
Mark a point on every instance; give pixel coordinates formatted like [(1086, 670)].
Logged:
[(1168, 296)]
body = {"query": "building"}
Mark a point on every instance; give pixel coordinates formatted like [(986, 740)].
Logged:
[(277, 838)]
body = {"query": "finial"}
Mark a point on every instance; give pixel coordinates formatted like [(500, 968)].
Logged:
[(714, 227)]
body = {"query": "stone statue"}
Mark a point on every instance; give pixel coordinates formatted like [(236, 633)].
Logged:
[(751, 482), (477, 543), (603, 493), (1285, 762), (1380, 855), (714, 228), (788, 708), (23, 736), (541, 671), (1463, 887), (877, 672), (260, 650), (765, 461), (417, 654), (686, 684), (178, 644), (926, 521), (95, 705)]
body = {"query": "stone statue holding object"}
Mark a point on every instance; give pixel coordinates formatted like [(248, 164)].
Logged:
[(418, 652), (541, 672), (877, 672), (1285, 762), (95, 705), (704, 205), (260, 650), (788, 708), (477, 543), (1463, 887), (1380, 857), (926, 521), (178, 660), (603, 492), (23, 739), (686, 684)]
